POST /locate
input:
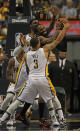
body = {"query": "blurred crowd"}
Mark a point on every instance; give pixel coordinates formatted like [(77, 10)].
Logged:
[(4, 16), (68, 8)]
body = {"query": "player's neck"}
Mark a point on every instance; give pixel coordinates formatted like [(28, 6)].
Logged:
[(32, 34), (34, 49)]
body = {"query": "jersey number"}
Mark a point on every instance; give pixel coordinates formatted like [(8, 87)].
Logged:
[(35, 63)]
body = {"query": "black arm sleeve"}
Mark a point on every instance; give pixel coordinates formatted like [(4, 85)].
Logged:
[(51, 26)]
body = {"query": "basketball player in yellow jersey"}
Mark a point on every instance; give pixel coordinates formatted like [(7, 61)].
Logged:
[(36, 59)]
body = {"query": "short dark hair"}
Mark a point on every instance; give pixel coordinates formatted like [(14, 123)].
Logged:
[(32, 21), (34, 41)]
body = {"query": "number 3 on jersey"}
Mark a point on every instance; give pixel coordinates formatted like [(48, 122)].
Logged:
[(35, 63)]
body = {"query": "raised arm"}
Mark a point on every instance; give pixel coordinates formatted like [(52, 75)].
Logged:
[(10, 70), (49, 47), (21, 45), (44, 40), (54, 10), (25, 60)]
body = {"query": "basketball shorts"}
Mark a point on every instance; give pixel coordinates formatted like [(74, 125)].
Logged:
[(32, 87)]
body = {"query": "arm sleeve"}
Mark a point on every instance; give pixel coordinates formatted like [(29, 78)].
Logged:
[(51, 26)]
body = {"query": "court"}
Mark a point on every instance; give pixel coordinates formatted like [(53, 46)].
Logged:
[(73, 124)]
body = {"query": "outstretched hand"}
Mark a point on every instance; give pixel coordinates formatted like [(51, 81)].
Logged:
[(22, 40), (65, 22), (61, 22), (54, 10)]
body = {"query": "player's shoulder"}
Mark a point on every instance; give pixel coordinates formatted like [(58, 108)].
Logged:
[(41, 49)]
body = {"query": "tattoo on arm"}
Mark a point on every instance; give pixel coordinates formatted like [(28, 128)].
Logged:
[(44, 40), (52, 45)]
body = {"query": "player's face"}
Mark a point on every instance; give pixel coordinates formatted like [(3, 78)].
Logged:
[(41, 29), (34, 23)]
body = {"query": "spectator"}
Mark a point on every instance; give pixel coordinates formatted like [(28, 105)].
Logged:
[(20, 7), (1, 61), (76, 3), (78, 11), (1, 3), (47, 5), (2, 17), (3, 57), (69, 11), (58, 3), (40, 9), (52, 57), (37, 8), (5, 10), (63, 74), (3, 30), (5, 7), (1, 36)]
